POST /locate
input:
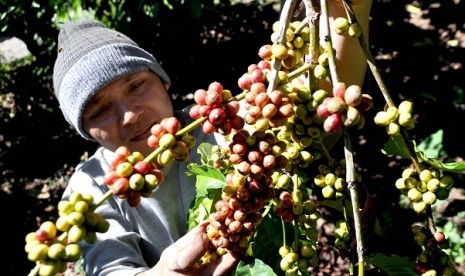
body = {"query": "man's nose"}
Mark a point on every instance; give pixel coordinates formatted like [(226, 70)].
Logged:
[(130, 114)]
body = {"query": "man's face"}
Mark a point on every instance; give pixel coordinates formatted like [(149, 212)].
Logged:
[(122, 113)]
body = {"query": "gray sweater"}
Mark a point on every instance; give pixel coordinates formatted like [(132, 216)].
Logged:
[(137, 235)]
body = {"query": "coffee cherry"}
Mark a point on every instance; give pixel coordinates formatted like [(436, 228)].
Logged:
[(285, 265), (341, 25), (56, 251), (75, 218), (328, 192), (351, 117), (392, 113), (336, 105), (353, 95), (332, 123), (419, 206), (355, 30), (429, 197), (393, 129), (73, 252), (120, 186), (167, 140), (320, 72), (414, 195), (166, 158), (446, 181), (439, 237), (124, 169), (102, 225), (382, 118), (279, 51), (406, 107), (38, 252), (76, 233), (51, 267), (136, 181), (406, 120)]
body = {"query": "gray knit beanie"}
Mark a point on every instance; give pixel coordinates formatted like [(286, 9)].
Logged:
[(90, 57)]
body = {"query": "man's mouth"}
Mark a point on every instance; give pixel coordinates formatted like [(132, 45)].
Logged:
[(143, 135)]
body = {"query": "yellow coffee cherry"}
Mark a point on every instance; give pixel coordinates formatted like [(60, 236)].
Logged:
[(341, 25)]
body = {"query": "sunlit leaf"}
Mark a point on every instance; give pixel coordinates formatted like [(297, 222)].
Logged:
[(431, 146), (257, 268), (396, 146), (204, 150)]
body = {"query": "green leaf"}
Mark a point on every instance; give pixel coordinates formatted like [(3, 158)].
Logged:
[(206, 183), (268, 239), (458, 95), (337, 205), (207, 178), (209, 184), (449, 166), (255, 268), (205, 152), (396, 146), (199, 211), (205, 170), (432, 145), (392, 265)]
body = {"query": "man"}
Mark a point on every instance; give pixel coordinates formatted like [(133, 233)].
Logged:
[(112, 91)]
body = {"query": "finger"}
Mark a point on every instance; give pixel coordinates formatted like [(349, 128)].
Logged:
[(222, 266), (187, 238), (191, 248)]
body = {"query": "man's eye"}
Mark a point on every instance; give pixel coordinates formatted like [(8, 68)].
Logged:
[(135, 86), (99, 112)]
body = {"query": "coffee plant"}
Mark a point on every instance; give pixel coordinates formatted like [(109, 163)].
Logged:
[(263, 187)]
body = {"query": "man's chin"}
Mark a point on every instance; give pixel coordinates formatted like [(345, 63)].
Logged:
[(142, 147)]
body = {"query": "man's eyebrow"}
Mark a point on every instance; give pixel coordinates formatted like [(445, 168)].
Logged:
[(93, 101), (123, 81)]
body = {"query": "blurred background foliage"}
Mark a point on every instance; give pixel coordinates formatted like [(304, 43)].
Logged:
[(419, 47)]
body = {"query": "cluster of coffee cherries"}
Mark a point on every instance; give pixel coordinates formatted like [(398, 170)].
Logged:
[(302, 254), (50, 250), (301, 259), (344, 107), (290, 205), (432, 259), (331, 181), (256, 73), (248, 187), (131, 177), (302, 132), (256, 154), (394, 118), (220, 158), (294, 47), (172, 146), (424, 188), (265, 110), (302, 127), (321, 70), (341, 234), (343, 26), (218, 107)]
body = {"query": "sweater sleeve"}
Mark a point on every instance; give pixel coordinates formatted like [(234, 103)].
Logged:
[(117, 251)]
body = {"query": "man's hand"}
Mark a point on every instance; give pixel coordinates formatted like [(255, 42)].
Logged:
[(181, 257)]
